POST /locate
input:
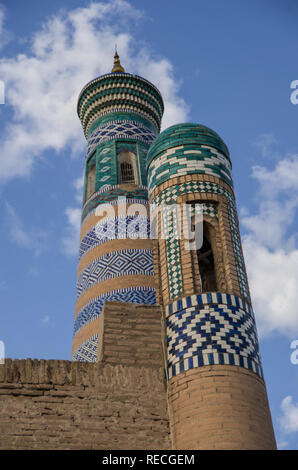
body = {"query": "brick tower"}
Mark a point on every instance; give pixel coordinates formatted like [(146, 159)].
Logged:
[(217, 395), (120, 114)]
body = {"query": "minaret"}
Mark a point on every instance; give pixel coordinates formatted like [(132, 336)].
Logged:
[(120, 115), (217, 394)]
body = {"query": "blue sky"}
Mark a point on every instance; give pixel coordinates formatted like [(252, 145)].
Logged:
[(228, 65)]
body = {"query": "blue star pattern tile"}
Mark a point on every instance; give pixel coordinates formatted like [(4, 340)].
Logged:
[(204, 331)]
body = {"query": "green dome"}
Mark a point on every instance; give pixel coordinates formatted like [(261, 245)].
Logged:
[(186, 134)]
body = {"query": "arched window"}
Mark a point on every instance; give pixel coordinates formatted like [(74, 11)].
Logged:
[(206, 262), (91, 181), (127, 163)]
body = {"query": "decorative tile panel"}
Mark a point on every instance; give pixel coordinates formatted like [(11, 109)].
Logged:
[(87, 351), (92, 310), (182, 160), (119, 130), (111, 193), (113, 229), (116, 202), (119, 92), (170, 195), (211, 329), (115, 264)]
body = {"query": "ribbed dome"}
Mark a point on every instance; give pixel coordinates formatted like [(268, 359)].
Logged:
[(187, 134), (118, 92)]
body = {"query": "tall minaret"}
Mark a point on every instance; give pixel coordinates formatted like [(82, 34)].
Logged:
[(120, 114), (217, 394), (216, 391)]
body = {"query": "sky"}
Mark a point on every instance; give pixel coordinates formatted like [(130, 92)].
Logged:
[(228, 65)]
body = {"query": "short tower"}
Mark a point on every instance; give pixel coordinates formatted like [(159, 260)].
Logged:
[(217, 395)]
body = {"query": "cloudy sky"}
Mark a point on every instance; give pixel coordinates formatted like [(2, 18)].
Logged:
[(228, 65)]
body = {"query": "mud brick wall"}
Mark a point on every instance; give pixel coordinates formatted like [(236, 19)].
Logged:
[(132, 334), (70, 405)]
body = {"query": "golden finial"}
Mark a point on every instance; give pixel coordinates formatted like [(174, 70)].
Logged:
[(117, 66)]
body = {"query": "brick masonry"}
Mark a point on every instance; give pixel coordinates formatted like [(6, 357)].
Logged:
[(63, 405), (123, 402), (117, 403), (225, 406)]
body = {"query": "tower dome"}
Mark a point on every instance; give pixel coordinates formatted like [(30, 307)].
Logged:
[(188, 149), (119, 92)]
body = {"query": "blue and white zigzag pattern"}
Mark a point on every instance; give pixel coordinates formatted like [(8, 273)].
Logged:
[(114, 264), (114, 228), (91, 311), (207, 333), (87, 351), (119, 130)]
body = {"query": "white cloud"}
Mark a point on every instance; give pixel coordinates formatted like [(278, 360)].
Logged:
[(269, 245), (70, 243), (265, 143), (289, 419), (33, 239), (42, 86), (273, 280), (45, 320), (79, 185)]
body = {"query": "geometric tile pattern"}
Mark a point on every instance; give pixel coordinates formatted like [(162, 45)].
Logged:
[(179, 161), (112, 193), (206, 208), (87, 351), (208, 298), (92, 310), (238, 250), (170, 195), (173, 257), (115, 203), (119, 130), (119, 92), (115, 228), (212, 333), (171, 227), (193, 135), (114, 264)]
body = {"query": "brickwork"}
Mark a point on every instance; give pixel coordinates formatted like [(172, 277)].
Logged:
[(217, 396), (78, 405), (120, 114), (138, 330), (220, 407)]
